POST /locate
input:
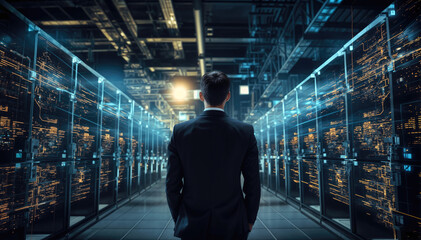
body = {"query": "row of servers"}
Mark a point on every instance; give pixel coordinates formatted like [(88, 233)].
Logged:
[(72, 145), (345, 144)]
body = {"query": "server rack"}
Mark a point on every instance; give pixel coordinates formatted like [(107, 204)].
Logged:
[(351, 133), (72, 144)]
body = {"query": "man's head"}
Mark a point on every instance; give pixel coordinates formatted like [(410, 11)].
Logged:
[(214, 88)]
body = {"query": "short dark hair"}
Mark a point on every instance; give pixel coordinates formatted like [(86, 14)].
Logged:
[(215, 87)]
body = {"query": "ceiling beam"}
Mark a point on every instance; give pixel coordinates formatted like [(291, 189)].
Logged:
[(172, 26), (125, 14), (197, 12)]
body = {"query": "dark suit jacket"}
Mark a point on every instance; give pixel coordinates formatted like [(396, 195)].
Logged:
[(206, 157)]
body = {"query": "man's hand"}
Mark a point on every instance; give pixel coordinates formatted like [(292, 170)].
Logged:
[(250, 226)]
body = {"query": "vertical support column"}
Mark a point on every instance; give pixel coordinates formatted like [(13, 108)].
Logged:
[(147, 151), (262, 157), (130, 150), (99, 144), (299, 157), (276, 156), (29, 148), (268, 152), (319, 162), (350, 161), (140, 150), (392, 109), (71, 148), (117, 153), (286, 160)]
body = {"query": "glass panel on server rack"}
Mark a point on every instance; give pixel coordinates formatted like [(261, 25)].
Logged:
[(333, 129), (273, 163), (108, 145), (369, 96), (16, 61), (308, 139), (280, 146), (136, 148), (374, 198), (85, 139), (51, 128), (405, 29), (291, 141), (124, 144)]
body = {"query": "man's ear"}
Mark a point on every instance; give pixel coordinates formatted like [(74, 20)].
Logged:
[(201, 97), (228, 97)]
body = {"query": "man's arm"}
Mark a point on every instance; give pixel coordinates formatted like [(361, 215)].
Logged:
[(250, 170), (174, 182)]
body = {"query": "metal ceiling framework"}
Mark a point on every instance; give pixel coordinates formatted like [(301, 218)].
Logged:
[(159, 39), (306, 24)]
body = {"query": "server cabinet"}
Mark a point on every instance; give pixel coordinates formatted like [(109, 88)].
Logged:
[(51, 134), (291, 141), (369, 95), (136, 149), (352, 142), (66, 138), (16, 77), (309, 144), (109, 108), (124, 145), (85, 138), (272, 152), (279, 131), (333, 130), (404, 32)]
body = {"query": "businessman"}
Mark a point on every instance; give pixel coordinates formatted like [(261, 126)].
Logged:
[(207, 155)]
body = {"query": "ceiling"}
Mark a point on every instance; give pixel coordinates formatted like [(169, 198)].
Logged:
[(148, 47)]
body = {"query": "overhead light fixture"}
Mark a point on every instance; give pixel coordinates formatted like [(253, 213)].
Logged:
[(244, 90), (180, 93)]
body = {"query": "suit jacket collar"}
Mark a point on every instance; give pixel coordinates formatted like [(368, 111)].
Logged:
[(214, 113)]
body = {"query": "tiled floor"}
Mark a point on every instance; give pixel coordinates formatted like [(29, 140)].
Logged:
[(148, 217)]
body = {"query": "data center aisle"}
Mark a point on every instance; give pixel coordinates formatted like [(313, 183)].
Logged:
[(148, 217)]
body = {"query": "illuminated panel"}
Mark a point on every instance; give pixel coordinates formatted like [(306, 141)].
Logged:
[(265, 147), (108, 144), (331, 90), (124, 144), (259, 138), (85, 123), (83, 188), (53, 90), (46, 197), (14, 97), (136, 151), (12, 200), (291, 141), (85, 137), (279, 128), (367, 67), (306, 94), (405, 31), (406, 52), (407, 214), (307, 118), (272, 150), (336, 191), (374, 199)]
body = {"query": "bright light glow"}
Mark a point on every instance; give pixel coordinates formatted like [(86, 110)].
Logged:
[(244, 89), (180, 93), (196, 94)]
